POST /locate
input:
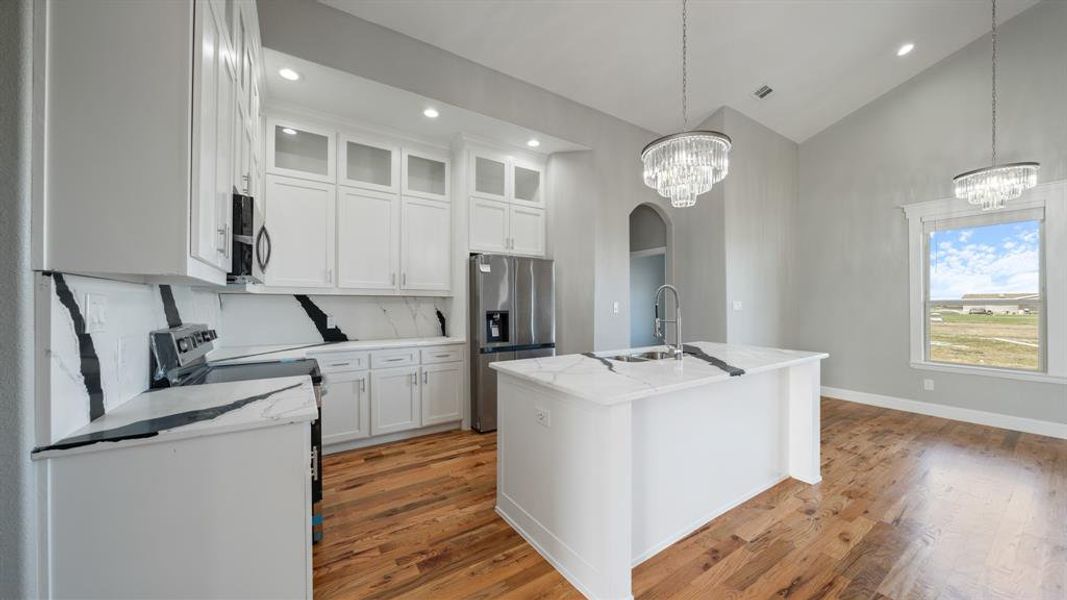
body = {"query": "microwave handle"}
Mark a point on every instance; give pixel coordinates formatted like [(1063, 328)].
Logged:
[(263, 257)]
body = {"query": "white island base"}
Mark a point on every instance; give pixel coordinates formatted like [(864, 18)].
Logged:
[(602, 464)]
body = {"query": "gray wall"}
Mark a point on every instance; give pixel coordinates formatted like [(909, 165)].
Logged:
[(647, 229), (761, 196), (608, 176), (17, 503), (851, 270)]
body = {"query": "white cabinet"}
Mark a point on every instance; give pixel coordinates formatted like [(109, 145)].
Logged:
[(527, 230), (426, 247), (141, 156), (488, 225), (506, 210), (425, 175), (440, 394), (395, 402), (367, 239), (300, 217), (346, 407), (298, 150), (368, 164)]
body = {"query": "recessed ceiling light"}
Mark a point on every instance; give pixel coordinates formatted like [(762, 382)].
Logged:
[(289, 74), (533, 143), (430, 113), (289, 131), (906, 48)]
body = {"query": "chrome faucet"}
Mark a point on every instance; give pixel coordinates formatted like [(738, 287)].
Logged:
[(677, 320)]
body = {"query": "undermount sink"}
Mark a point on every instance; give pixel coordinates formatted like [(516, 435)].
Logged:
[(642, 356), (653, 355)]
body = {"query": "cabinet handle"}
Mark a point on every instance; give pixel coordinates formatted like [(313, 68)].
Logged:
[(221, 238), (404, 279), (344, 364), (362, 384), (329, 275), (414, 379), (246, 179), (392, 278), (227, 244), (425, 375), (394, 359)]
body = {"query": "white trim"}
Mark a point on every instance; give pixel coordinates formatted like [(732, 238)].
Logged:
[(1050, 196), (955, 413), (990, 372), (660, 250), (398, 436)]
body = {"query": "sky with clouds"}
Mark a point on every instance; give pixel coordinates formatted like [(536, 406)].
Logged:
[(983, 260)]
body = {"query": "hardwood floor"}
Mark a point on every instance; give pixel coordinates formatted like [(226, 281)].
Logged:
[(910, 507)]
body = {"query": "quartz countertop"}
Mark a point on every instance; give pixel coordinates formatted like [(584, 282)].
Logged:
[(297, 351), (598, 378), (182, 412)]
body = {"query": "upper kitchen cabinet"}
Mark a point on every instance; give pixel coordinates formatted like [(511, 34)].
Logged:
[(297, 150), (425, 175), (368, 164), (148, 155), (426, 245), (300, 217), (506, 210)]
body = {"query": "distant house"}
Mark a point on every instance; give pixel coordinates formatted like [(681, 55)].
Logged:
[(1001, 304)]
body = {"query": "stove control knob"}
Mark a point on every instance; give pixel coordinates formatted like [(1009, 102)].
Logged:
[(183, 344)]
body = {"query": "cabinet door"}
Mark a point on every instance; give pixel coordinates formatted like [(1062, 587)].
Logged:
[(368, 164), (441, 393), (488, 225), (296, 150), (300, 217), (395, 404), (527, 181), (489, 177), (425, 175), (213, 96), (367, 239), (426, 247), (527, 230), (346, 407)]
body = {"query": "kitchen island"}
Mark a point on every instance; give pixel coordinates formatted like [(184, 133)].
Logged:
[(604, 460)]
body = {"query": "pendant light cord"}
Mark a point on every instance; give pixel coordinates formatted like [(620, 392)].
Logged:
[(685, 69), (994, 83)]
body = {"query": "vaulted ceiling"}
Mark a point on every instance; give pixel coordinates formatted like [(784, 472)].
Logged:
[(823, 58)]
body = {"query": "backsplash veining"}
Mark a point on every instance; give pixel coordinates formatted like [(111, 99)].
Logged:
[(262, 319)]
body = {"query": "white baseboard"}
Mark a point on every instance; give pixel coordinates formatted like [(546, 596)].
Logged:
[(967, 415), (335, 447)]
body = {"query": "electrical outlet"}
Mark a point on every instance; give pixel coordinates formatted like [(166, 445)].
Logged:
[(95, 313), (738, 305), (330, 323), (544, 417), (928, 385)]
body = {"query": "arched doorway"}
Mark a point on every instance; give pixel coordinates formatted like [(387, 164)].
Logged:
[(649, 242)]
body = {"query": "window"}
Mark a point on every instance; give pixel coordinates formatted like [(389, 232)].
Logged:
[(988, 290), (983, 302)]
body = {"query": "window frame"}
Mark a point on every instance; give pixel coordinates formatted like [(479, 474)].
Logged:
[(1049, 201)]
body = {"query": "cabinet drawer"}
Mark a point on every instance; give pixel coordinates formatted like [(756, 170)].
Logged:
[(442, 354), (342, 363), (383, 359)]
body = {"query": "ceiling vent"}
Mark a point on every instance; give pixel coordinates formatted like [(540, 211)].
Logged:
[(763, 92)]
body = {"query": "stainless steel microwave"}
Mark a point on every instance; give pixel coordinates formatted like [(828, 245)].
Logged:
[(251, 242)]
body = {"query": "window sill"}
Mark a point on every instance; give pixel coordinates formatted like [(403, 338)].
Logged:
[(990, 372)]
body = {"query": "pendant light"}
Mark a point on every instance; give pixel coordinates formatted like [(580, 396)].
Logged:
[(683, 165), (992, 186)]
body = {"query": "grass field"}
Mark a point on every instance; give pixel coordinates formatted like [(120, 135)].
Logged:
[(1008, 341)]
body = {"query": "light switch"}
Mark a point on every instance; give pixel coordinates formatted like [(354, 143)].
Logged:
[(615, 307), (738, 305), (95, 313)]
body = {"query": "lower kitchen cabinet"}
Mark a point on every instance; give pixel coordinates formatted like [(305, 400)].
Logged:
[(395, 404), (346, 407), (441, 389)]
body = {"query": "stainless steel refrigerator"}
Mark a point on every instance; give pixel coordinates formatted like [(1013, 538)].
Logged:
[(512, 316)]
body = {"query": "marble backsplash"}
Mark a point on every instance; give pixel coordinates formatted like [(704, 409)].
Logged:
[(269, 319)]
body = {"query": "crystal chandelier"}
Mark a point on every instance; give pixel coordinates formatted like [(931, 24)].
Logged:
[(681, 166), (992, 186)]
